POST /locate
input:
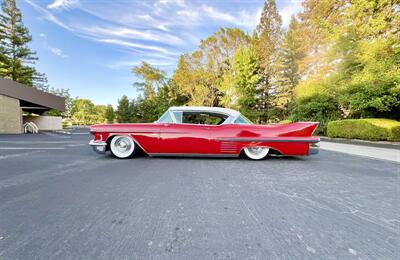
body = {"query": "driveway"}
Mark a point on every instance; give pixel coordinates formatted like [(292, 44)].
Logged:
[(60, 200)]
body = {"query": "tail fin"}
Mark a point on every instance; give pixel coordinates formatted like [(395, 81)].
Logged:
[(302, 129)]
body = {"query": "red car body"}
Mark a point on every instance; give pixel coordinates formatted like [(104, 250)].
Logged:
[(160, 139)]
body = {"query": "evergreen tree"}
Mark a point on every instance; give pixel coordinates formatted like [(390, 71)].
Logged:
[(15, 56), (109, 114), (287, 68), (246, 78), (123, 110), (266, 40)]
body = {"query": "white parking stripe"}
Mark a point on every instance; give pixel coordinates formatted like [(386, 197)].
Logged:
[(32, 148), (18, 155), (39, 142)]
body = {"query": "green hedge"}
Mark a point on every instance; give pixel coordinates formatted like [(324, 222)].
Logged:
[(375, 129)]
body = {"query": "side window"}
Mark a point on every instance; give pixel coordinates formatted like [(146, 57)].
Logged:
[(241, 120), (199, 118), (166, 118), (178, 116)]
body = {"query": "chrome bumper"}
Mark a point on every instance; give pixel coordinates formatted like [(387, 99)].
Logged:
[(98, 146), (314, 148)]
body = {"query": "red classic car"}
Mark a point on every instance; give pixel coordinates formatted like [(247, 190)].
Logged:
[(205, 131)]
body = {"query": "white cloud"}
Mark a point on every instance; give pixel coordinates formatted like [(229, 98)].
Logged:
[(137, 46), (249, 19), (163, 27), (49, 16), (292, 7), (63, 4), (196, 16), (58, 52), (134, 34), (215, 14), (126, 64), (42, 35)]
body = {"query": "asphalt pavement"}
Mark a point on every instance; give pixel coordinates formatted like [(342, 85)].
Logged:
[(60, 200)]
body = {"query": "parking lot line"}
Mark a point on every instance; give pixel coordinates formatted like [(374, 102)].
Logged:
[(32, 148), (8, 156), (40, 142)]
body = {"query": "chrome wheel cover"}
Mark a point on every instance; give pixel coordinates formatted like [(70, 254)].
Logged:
[(256, 153), (122, 146)]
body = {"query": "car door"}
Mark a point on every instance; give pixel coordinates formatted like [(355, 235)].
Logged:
[(184, 138)]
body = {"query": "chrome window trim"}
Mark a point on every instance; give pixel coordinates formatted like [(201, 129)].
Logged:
[(229, 117), (173, 117)]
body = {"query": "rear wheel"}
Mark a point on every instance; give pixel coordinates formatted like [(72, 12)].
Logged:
[(122, 146), (256, 153)]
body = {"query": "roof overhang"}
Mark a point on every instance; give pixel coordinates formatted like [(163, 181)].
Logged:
[(36, 97)]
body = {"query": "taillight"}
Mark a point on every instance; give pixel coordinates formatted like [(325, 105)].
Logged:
[(98, 136)]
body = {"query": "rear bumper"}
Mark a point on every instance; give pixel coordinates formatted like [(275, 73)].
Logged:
[(98, 146), (313, 148)]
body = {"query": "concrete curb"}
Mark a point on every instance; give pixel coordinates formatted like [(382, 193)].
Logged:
[(380, 144), (61, 132)]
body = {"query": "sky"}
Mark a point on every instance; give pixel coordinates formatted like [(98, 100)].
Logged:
[(90, 46)]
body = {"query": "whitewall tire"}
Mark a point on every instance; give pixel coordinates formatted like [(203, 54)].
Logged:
[(122, 146), (256, 153)]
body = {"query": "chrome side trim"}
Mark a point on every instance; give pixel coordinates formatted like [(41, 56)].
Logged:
[(269, 140), (124, 131), (192, 155)]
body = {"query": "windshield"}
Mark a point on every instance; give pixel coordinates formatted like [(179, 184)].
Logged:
[(165, 118)]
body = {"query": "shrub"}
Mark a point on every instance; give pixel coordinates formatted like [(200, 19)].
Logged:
[(286, 121), (374, 129), (317, 108)]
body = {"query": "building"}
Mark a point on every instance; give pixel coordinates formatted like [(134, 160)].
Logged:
[(16, 98)]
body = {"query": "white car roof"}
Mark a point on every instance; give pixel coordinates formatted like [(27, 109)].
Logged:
[(227, 111)]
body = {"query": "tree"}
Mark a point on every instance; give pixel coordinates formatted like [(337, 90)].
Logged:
[(287, 67), (99, 114), (266, 40), (123, 110), (200, 75), (367, 44), (246, 67), (153, 79), (83, 111), (268, 36), (316, 24), (64, 93), (15, 55), (109, 114)]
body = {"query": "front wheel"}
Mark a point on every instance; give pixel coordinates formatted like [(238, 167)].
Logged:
[(256, 153), (122, 146)]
